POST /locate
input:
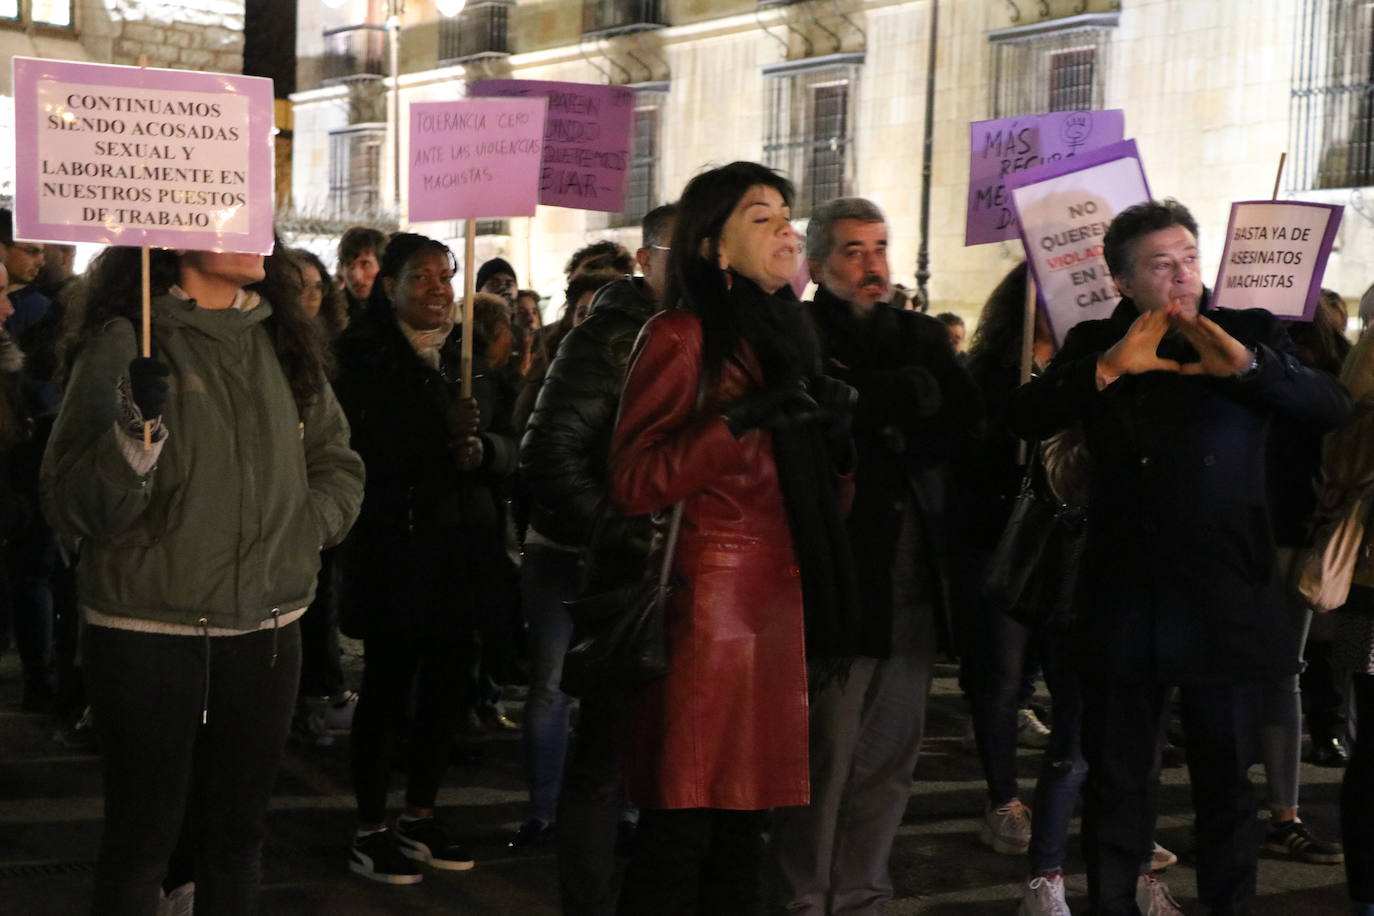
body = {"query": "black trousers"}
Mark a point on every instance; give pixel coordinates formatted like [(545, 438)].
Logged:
[(436, 669), (695, 862), (163, 766), (590, 805), (1357, 798), (1122, 724)]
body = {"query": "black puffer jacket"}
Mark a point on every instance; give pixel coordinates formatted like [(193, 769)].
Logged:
[(563, 453), (424, 524)]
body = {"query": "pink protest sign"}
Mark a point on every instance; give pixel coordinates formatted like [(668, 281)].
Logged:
[(475, 159), (1063, 210), (1005, 146), (134, 156), (1276, 253), (586, 140)]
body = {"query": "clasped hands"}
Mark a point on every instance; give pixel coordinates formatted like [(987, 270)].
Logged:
[(1220, 354)]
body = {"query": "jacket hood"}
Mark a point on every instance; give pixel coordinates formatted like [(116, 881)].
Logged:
[(628, 294), (223, 324)]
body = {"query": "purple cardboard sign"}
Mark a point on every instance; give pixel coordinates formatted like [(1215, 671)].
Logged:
[(1275, 256), (135, 156), (587, 143), (1063, 210), (475, 159), (1003, 147)]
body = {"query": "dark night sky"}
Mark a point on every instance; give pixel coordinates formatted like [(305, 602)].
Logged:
[(269, 45)]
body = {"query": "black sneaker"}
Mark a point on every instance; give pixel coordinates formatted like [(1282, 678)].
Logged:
[(1293, 840), (532, 834), (377, 856), (424, 840)]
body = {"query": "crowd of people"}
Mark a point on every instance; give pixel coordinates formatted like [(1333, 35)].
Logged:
[(190, 520)]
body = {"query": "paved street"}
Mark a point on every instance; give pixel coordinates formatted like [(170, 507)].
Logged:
[(50, 810)]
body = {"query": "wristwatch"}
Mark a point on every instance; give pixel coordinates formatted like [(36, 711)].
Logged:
[(1253, 367)]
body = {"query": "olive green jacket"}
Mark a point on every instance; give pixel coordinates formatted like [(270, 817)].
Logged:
[(227, 529)]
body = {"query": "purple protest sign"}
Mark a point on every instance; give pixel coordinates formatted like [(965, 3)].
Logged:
[(475, 159), (1002, 147), (1275, 256), (135, 156), (586, 140), (1063, 210)]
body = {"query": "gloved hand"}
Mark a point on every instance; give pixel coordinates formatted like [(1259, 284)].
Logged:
[(836, 401), (771, 408), (148, 386)]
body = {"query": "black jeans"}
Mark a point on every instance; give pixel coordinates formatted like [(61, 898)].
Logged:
[(1122, 725), (590, 806), (695, 862), (321, 664), (1357, 797), (161, 764), (438, 670)]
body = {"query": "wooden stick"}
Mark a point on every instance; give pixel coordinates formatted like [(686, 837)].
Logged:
[(1027, 348), (147, 334), (1279, 177), (469, 294)]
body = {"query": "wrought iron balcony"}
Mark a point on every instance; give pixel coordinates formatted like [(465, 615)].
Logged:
[(770, 4), (604, 18), (482, 30), (354, 51)]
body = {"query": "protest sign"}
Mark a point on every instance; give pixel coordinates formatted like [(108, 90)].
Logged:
[(1006, 146), (587, 141), (1063, 211), (1275, 256), (134, 156), (475, 159)]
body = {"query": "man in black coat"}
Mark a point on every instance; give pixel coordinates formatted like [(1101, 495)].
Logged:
[(1179, 581), (914, 401), (575, 543)]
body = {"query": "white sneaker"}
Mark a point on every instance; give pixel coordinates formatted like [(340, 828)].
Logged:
[(1030, 731), (1161, 858), (338, 713), (1044, 896), (180, 902), (1152, 898), (1007, 829)]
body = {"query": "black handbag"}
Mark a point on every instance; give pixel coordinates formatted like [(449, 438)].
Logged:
[(1033, 573), (619, 635)]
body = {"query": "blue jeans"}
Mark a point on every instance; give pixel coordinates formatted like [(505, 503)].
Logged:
[(548, 577), (1063, 769)]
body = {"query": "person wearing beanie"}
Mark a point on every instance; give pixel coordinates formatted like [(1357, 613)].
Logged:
[(498, 277)]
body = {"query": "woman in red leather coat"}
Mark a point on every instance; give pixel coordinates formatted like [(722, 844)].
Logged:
[(725, 409)]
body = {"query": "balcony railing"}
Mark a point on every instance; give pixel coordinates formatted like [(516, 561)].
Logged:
[(616, 17), (480, 31), (353, 51)]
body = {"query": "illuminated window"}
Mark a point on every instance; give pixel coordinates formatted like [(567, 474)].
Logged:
[(1054, 65), (1333, 96), (9, 9), (809, 135), (355, 169), (641, 185), (51, 13)]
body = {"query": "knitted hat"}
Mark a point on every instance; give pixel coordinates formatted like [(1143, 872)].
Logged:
[(491, 268)]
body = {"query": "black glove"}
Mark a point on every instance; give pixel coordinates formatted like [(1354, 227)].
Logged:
[(148, 386), (770, 408), (836, 401)]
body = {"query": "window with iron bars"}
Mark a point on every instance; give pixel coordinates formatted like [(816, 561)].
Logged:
[(641, 184), (481, 30), (1332, 106), (603, 16), (1048, 69), (355, 50), (809, 135), (55, 14), (355, 168)]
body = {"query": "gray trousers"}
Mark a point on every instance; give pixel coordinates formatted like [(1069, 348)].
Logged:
[(865, 737)]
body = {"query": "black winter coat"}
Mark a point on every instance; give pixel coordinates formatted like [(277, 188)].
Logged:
[(563, 454), (915, 404), (1179, 579), (424, 524)]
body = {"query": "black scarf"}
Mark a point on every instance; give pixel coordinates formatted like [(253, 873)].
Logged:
[(784, 344)]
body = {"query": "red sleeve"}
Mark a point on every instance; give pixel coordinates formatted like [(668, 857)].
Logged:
[(662, 451)]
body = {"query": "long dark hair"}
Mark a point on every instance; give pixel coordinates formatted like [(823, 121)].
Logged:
[(997, 342), (697, 284), (333, 310), (112, 288)]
